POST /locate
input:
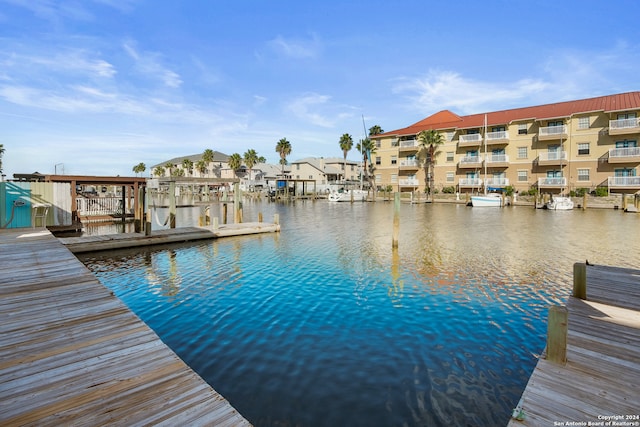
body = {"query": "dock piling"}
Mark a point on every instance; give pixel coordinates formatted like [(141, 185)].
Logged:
[(557, 330), (396, 220), (580, 280)]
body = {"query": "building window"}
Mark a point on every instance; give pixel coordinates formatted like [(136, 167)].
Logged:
[(395, 142), (498, 129), (473, 131), (522, 153), (298, 166), (522, 129), (583, 123), (377, 143), (523, 176), (583, 148), (552, 123), (310, 176), (394, 177), (626, 144), (351, 168), (378, 177), (450, 176), (394, 160), (583, 174), (378, 160), (449, 135), (449, 156)]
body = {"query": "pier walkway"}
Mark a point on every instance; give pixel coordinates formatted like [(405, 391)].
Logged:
[(600, 381), (71, 353)]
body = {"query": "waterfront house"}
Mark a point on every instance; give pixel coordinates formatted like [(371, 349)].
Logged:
[(554, 148)]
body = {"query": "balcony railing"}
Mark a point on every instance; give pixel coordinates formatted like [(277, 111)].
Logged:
[(497, 182), (409, 163), (470, 182), (552, 182), (552, 156), (623, 181), (624, 126), (469, 140), (410, 143), (497, 158), (622, 155), (97, 206), (408, 182), (552, 131), (502, 135), (470, 159)]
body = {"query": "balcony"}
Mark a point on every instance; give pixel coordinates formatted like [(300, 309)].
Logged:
[(500, 137), (408, 164), (472, 140), (410, 182), (470, 182), (408, 145), (552, 158), (470, 162), (554, 182), (497, 161), (497, 182), (624, 126), (624, 182), (624, 155), (552, 132)]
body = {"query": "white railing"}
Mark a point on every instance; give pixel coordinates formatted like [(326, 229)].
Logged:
[(500, 135), (470, 182), (623, 181), (497, 182), (625, 152), (470, 159), (497, 158), (624, 123), (552, 182), (474, 137), (408, 143), (553, 130), (546, 156), (408, 182), (100, 206), (409, 162)]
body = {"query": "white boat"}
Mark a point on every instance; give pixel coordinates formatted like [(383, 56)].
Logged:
[(345, 196), (560, 203), (487, 200)]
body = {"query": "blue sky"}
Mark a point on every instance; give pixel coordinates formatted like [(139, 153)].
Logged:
[(96, 86)]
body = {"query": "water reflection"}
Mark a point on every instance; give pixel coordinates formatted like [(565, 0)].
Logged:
[(326, 324)]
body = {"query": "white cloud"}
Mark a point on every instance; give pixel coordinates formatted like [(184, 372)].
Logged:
[(307, 108), (296, 48), (149, 64)]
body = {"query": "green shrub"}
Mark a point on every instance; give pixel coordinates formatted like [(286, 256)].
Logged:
[(509, 190), (602, 192), (578, 192), (448, 190)]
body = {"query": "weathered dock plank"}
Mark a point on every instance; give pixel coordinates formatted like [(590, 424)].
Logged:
[(601, 377), (175, 235), (71, 353)]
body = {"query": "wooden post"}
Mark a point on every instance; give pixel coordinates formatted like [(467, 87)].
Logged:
[(396, 220), (138, 211), (259, 216), (584, 201), (276, 219), (224, 213), (215, 224), (172, 204), (580, 280), (124, 204), (557, 328), (236, 203), (624, 202), (147, 223)]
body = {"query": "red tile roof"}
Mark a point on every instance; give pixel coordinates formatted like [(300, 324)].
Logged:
[(447, 120)]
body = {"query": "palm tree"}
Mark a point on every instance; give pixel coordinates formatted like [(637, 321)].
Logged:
[(346, 144), (429, 141), (366, 147), (207, 155), (283, 147), (158, 171), (187, 165), (235, 163), (201, 166), (250, 160), (169, 166), (375, 130), (1, 154), (139, 168)]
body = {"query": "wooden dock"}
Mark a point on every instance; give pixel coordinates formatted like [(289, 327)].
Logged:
[(173, 235), (71, 353), (601, 376)]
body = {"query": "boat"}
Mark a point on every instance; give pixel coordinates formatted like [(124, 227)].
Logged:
[(487, 200), (345, 196), (560, 203)]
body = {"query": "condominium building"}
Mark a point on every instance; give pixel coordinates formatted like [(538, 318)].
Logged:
[(554, 148)]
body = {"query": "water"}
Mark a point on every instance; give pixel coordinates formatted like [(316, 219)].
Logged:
[(324, 324)]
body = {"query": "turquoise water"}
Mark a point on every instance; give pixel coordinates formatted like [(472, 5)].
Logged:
[(324, 324)]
